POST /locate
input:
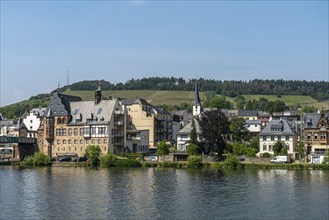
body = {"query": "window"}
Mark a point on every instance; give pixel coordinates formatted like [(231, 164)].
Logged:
[(70, 141), (58, 141), (70, 131), (81, 131), (64, 141), (81, 141), (93, 141), (75, 132), (264, 138), (61, 132), (93, 130), (101, 130), (279, 138), (316, 136), (99, 141), (86, 131), (69, 148), (75, 141), (105, 141), (287, 138), (308, 136), (264, 147), (269, 147), (323, 136), (272, 138)]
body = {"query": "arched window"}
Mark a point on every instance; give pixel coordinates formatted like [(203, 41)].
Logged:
[(59, 121), (64, 141), (64, 120)]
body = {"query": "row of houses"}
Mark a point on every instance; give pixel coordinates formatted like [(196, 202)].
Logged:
[(69, 124)]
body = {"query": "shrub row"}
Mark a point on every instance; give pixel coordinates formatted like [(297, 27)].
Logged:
[(38, 159)]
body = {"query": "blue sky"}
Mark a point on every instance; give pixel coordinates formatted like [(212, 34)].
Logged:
[(116, 41)]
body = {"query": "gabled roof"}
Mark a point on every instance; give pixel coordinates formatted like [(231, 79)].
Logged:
[(60, 104), (311, 119), (277, 124), (187, 128)]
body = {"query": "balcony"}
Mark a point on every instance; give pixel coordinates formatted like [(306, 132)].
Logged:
[(118, 112), (118, 123)]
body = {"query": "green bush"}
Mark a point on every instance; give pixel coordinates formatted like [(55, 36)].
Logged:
[(193, 149), (232, 161), (28, 161), (194, 161), (108, 160), (93, 152), (283, 151), (41, 159), (135, 156), (172, 165), (266, 155), (127, 163)]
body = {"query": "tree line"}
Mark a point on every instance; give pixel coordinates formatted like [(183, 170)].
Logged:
[(231, 88)]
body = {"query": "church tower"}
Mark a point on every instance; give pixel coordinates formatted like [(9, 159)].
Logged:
[(197, 108), (98, 95)]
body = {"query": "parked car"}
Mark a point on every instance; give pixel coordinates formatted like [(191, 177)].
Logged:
[(65, 159), (81, 159), (281, 159)]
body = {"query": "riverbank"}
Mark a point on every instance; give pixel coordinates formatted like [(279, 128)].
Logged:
[(210, 165)]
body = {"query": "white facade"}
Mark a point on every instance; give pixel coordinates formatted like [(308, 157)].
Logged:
[(32, 123), (277, 131)]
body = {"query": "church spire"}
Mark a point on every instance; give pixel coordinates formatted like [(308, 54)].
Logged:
[(196, 94), (197, 108)]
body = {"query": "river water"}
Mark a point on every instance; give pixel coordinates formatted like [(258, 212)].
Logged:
[(162, 193)]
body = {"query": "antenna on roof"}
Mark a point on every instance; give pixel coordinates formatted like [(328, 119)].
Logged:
[(58, 85), (68, 80)]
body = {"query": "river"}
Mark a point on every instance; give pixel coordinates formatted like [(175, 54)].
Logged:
[(162, 193)]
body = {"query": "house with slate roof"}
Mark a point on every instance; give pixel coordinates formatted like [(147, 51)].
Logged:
[(316, 131), (277, 131), (183, 136), (71, 124)]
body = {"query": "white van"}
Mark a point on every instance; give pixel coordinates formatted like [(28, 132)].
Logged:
[(281, 159)]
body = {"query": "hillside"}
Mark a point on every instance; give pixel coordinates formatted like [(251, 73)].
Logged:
[(155, 97)]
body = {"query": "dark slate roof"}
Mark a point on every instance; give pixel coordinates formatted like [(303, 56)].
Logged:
[(311, 119), (197, 100), (187, 128), (60, 104), (247, 112), (99, 113), (253, 122), (277, 124)]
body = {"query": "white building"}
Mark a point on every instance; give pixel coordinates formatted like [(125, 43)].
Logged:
[(277, 131)]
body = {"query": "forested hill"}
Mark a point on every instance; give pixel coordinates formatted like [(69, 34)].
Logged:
[(232, 88)]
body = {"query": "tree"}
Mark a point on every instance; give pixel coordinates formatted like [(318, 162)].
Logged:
[(215, 129), (284, 151), (239, 131), (277, 148), (220, 102), (301, 152), (93, 152), (193, 134), (163, 149), (193, 149), (254, 143)]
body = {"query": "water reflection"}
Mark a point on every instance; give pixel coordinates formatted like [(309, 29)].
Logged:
[(158, 193)]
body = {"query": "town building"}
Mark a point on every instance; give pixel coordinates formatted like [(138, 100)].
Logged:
[(184, 135), (32, 121), (316, 131), (70, 125), (144, 116), (278, 131), (254, 127)]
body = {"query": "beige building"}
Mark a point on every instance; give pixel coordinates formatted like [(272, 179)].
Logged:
[(144, 116), (70, 125)]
